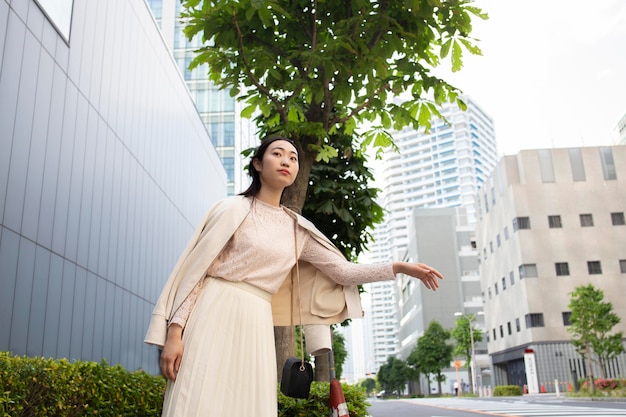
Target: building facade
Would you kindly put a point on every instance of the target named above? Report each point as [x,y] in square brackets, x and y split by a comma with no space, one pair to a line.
[220,112]
[442,238]
[550,220]
[105,170]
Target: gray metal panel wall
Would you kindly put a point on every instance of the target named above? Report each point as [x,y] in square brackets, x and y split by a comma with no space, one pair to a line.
[105,171]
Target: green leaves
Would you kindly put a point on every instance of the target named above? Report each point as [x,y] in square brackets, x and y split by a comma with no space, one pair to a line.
[48,387]
[337,63]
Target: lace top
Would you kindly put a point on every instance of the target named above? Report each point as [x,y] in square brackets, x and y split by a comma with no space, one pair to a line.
[262,252]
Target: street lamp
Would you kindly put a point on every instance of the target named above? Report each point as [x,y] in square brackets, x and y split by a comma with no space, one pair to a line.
[471,318]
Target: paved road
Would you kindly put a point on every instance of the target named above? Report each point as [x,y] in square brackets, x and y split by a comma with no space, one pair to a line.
[509,407]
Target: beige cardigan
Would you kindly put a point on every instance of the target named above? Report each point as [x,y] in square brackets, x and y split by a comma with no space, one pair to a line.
[323,300]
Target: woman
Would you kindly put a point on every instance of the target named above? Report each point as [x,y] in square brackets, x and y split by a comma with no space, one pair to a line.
[214,319]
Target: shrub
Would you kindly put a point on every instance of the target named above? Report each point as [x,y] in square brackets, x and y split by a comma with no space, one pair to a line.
[507,391]
[48,387]
[40,387]
[317,405]
[605,386]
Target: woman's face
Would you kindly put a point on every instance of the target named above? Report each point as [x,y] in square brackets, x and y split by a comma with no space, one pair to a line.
[279,166]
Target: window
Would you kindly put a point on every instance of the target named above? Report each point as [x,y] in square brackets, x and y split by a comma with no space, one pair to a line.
[608,165]
[586,220]
[512,277]
[554,222]
[576,164]
[508,328]
[567,315]
[521,223]
[498,239]
[562,268]
[517,326]
[501,331]
[494,333]
[617,219]
[491,247]
[594,267]
[545,165]
[534,320]
[622,266]
[495,286]
[506,232]
[489,292]
[503,283]
[527,271]
[59,12]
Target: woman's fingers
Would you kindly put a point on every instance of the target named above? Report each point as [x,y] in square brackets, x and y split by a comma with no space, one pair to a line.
[170,360]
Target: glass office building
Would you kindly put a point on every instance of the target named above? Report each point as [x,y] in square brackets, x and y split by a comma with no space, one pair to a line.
[219,111]
[106,168]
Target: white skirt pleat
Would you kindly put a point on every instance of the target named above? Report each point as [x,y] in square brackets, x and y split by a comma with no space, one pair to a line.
[229,359]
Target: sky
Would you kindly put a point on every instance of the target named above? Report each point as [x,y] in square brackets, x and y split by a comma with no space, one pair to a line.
[552,73]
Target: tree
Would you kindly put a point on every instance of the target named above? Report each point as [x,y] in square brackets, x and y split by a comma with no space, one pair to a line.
[393,375]
[414,363]
[339,351]
[316,69]
[340,202]
[463,338]
[368,384]
[591,321]
[432,353]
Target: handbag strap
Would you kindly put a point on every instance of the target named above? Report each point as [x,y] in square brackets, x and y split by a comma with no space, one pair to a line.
[295,239]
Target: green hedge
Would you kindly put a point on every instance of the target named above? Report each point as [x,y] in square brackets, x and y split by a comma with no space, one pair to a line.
[40,387]
[507,391]
[49,387]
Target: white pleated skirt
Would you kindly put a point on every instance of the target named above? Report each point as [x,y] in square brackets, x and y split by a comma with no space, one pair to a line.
[229,358]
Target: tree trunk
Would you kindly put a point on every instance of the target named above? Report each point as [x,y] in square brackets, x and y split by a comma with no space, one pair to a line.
[284,347]
[322,368]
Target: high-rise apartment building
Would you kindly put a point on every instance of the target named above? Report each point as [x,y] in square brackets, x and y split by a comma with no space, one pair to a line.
[550,220]
[442,168]
[621,129]
[105,171]
[219,111]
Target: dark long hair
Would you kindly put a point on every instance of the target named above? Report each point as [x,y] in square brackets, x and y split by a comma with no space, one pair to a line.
[255,187]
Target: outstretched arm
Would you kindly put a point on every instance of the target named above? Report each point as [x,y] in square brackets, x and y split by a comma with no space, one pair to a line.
[428,275]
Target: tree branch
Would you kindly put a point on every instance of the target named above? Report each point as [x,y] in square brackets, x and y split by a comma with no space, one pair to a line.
[358,109]
[279,107]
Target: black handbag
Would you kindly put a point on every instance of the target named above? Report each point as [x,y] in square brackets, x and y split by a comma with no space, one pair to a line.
[297,373]
[296,379]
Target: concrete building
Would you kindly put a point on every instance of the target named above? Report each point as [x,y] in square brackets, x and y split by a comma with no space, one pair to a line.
[442,238]
[550,220]
[219,111]
[442,168]
[105,170]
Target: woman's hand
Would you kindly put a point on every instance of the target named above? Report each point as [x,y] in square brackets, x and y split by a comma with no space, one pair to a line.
[429,276]
[172,352]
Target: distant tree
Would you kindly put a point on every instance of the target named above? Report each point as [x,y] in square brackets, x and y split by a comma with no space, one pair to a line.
[393,375]
[368,384]
[433,353]
[463,341]
[413,362]
[340,352]
[591,321]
